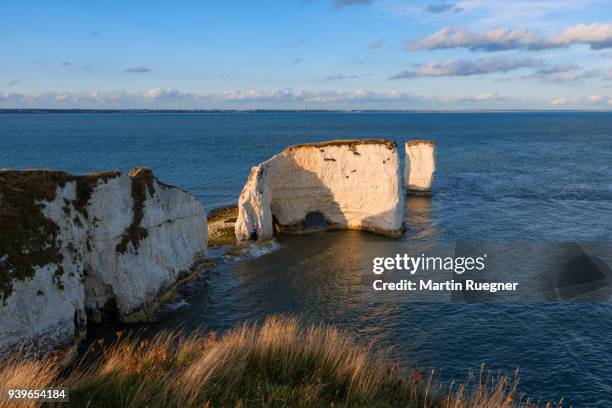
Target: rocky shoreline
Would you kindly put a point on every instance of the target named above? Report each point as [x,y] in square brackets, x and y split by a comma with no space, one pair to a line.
[75,247]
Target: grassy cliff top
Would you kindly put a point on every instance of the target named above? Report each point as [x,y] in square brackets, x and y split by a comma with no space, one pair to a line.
[390,144]
[278,363]
[221,223]
[420,141]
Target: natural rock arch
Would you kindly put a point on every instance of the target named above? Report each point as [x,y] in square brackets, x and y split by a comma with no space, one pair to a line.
[352,184]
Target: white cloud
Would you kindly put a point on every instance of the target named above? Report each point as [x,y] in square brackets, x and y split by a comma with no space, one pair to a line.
[596,99]
[339,77]
[323,97]
[567,73]
[488,40]
[485,97]
[596,35]
[559,102]
[160,98]
[159,93]
[468,67]
[577,101]
[557,69]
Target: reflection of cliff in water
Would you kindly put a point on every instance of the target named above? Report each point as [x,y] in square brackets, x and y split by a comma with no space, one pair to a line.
[418,217]
[318,275]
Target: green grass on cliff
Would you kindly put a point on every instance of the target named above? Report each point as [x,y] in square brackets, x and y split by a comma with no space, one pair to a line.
[280,363]
[221,226]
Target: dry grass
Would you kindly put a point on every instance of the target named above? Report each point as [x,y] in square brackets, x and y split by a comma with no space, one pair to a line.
[221,226]
[279,363]
[17,372]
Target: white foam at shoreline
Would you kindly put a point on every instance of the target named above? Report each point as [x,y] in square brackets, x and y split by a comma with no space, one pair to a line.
[170,307]
[253,250]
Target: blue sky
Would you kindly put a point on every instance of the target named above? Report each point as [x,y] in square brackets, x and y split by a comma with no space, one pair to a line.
[330,54]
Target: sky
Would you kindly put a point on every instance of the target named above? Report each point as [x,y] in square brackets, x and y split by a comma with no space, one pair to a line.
[307,54]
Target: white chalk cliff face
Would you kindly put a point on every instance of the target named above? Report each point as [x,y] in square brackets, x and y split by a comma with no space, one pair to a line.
[420,165]
[343,184]
[76,243]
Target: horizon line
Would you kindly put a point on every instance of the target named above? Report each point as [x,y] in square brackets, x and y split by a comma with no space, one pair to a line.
[268,110]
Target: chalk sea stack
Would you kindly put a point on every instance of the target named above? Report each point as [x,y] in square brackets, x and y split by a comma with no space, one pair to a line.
[420,166]
[73,246]
[340,184]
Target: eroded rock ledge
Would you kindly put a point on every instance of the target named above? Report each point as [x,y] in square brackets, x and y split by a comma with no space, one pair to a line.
[340,184]
[71,244]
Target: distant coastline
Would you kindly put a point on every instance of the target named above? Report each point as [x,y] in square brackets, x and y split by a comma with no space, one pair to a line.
[217,111]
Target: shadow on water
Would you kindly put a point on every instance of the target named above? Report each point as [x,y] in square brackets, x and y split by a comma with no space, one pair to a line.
[585,276]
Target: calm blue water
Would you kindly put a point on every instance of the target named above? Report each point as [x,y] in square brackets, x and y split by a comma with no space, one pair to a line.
[507,177]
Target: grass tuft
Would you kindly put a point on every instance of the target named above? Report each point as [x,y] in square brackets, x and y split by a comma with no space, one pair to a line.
[279,363]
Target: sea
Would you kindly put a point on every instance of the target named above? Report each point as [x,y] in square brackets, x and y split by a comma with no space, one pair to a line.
[532,182]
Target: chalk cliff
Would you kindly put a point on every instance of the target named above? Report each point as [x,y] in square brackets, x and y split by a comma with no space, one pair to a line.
[71,244]
[342,184]
[420,165]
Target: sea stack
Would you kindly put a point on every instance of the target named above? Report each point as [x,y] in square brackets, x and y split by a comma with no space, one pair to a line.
[420,166]
[340,184]
[76,244]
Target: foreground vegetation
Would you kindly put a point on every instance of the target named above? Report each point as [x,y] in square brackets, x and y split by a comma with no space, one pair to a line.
[276,364]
